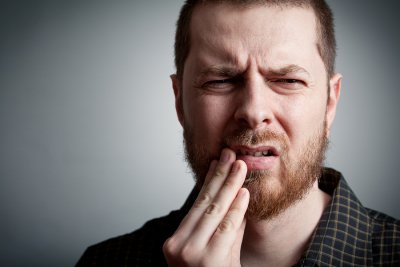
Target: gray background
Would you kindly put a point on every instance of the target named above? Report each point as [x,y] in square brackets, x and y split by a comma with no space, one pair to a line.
[90,146]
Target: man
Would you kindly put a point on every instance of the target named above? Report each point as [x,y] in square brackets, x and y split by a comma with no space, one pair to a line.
[256,95]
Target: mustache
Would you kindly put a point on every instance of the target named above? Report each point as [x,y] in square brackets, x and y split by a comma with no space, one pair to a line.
[247,137]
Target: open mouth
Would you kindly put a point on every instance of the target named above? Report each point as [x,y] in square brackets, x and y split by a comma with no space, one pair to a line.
[257,158]
[265,151]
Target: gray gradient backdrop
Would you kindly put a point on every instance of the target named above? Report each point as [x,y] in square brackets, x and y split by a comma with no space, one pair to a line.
[90,146]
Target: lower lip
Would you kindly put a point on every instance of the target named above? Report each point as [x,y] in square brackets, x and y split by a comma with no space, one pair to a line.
[258,163]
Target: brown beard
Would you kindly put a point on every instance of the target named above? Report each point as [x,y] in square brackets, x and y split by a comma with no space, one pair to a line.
[267,198]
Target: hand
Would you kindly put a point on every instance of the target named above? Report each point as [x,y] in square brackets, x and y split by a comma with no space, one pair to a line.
[211,234]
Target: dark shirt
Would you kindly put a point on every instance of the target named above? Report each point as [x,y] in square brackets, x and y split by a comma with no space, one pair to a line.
[348,234]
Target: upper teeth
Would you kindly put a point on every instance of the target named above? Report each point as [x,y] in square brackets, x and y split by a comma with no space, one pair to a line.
[254,154]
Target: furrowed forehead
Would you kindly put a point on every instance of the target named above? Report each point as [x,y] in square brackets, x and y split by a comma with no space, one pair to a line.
[183,40]
[224,28]
[207,19]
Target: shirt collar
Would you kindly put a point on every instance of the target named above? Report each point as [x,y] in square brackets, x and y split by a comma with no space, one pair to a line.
[343,234]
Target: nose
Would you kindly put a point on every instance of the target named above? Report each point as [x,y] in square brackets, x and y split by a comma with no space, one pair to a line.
[254,108]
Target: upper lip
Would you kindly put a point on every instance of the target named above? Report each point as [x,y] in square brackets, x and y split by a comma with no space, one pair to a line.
[254,151]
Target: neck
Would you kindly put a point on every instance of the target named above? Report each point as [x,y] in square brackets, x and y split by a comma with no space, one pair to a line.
[282,240]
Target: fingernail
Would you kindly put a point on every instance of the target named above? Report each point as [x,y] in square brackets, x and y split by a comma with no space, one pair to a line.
[236,167]
[224,156]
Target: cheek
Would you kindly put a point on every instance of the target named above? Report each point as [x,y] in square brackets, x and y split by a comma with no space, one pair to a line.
[208,116]
[302,117]
[309,115]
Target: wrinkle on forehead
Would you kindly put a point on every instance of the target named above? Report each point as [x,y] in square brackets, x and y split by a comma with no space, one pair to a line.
[228,34]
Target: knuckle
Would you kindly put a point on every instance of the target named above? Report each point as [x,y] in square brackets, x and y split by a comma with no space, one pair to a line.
[202,200]
[219,172]
[187,254]
[213,209]
[169,246]
[175,253]
[229,183]
[235,210]
[226,225]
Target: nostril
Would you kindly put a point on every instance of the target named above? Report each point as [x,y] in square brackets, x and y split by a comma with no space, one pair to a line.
[244,124]
[253,121]
[253,109]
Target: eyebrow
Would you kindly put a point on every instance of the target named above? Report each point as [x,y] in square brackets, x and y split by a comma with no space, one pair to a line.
[292,68]
[220,71]
[231,71]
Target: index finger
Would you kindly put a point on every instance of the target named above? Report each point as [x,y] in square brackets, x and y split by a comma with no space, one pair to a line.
[213,182]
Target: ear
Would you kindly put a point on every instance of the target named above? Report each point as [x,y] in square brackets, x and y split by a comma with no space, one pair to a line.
[335,84]
[176,85]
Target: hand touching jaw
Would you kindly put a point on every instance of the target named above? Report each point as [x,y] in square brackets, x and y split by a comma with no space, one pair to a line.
[215,232]
[275,180]
[212,232]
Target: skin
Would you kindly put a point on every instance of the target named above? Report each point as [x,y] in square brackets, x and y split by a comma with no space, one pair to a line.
[257,68]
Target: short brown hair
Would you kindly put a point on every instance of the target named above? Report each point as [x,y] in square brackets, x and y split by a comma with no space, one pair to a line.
[325,28]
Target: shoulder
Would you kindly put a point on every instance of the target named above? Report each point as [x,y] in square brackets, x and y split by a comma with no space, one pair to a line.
[142,247]
[385,236]
[385,228]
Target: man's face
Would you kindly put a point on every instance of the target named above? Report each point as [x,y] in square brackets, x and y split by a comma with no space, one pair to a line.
[255,82]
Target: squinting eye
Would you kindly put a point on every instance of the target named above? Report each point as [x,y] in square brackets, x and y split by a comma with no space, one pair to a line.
[287,81]
[289,84]
[222,85]
[217,82]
